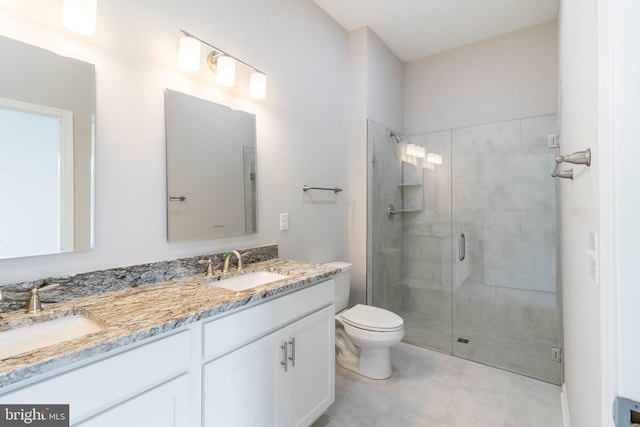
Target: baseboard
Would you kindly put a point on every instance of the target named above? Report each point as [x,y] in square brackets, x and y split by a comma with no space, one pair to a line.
[564,401]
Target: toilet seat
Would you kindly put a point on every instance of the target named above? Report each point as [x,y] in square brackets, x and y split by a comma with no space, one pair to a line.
[371,318]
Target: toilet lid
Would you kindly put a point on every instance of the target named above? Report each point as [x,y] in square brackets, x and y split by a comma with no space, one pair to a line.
[372,318]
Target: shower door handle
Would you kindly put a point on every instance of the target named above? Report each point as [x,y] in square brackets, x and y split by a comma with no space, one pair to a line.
[461,247]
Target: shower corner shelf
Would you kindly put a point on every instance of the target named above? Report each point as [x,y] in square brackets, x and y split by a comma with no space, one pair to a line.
[409,184]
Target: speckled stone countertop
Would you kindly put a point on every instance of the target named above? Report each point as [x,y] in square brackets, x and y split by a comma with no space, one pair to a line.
[134,314]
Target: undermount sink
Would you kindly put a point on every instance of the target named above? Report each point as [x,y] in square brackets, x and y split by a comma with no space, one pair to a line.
[248,280]
[22,339]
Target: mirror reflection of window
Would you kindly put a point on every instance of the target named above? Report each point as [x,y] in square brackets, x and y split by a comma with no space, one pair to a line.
[36,179]
[66,97]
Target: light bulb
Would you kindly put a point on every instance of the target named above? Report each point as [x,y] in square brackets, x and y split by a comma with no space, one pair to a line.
[434,158]
[226,73]
[189,54]
[80,16]
[257,85]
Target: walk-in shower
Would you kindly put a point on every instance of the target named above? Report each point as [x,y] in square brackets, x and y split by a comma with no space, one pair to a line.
[462,241]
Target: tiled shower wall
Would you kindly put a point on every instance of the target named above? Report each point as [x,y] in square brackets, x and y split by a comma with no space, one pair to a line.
[504,199]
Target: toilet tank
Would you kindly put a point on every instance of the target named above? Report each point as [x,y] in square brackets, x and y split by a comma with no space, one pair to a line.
[343,283]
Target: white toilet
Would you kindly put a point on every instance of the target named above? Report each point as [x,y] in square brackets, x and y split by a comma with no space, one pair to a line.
[364,334]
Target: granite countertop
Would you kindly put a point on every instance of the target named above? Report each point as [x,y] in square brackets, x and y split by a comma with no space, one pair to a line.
[131,315]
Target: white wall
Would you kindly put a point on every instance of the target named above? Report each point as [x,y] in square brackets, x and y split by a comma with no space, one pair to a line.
[301,126]
[579,205]
[507,77]
[627,210]
[377,77]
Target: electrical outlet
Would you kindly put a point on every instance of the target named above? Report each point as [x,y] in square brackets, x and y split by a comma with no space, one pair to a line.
[592,253]
[284,221]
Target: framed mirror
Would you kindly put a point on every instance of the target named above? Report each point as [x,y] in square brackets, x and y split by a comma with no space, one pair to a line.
[47,114]
[211,169]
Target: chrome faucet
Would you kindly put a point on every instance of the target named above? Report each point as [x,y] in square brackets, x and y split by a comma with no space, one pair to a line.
[34,305]
[227,257]
[209,269]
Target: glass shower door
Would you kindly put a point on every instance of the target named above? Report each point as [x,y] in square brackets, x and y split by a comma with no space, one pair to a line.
[385,250]
[427,240]
[505,299]
[409,233]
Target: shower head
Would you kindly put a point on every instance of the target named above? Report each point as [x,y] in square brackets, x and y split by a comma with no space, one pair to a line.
[397,138]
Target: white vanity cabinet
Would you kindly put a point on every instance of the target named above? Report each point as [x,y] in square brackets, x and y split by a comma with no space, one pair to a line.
[149,380]
[229,370]
[271,365]
[310,378]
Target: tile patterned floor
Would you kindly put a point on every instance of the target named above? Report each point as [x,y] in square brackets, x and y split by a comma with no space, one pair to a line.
[432,389]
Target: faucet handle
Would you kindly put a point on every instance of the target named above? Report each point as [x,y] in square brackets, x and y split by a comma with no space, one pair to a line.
[47,288]
[34,305]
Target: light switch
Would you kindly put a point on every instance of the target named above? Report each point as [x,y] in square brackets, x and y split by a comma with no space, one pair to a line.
[592,254]
[284,221]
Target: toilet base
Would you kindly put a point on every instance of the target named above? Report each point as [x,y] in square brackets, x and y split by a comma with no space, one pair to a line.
[374,363]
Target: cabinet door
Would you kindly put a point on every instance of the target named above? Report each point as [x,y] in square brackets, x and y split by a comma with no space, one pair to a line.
[107,382]
[164,406]
[243,388]
[311,376]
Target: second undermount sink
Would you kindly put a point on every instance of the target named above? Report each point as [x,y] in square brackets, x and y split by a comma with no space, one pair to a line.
[248,280]
[22,339]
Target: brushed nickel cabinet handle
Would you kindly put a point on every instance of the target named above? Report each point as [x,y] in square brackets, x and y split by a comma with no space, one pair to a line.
[285,358]
[292,343]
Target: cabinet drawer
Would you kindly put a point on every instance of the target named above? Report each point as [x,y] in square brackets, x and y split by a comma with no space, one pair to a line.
[104,383]
[227,333]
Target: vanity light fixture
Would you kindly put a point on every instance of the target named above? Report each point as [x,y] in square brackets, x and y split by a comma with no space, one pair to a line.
[226,71]
[220,62]
[189,54]
[80,16]
[257,85]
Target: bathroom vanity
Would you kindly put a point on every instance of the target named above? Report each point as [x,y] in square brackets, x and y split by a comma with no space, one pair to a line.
[190,353]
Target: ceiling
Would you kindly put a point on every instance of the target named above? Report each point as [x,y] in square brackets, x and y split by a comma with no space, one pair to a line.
[417,28]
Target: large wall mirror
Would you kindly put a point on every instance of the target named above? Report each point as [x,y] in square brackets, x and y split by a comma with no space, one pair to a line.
[211,169]
[47,113]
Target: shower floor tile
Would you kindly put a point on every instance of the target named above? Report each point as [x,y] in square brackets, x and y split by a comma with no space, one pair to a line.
[428,388]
